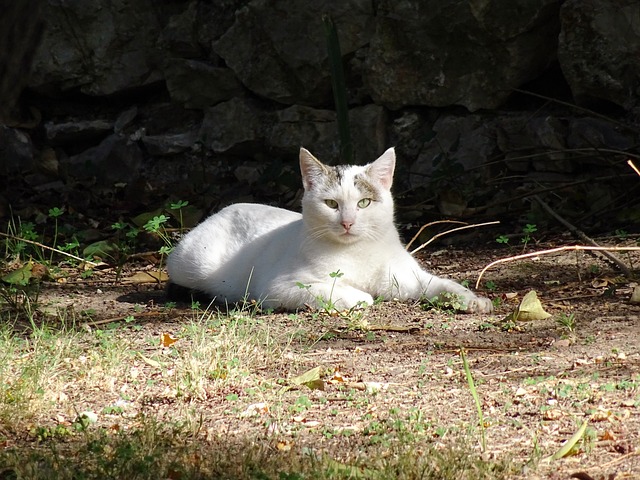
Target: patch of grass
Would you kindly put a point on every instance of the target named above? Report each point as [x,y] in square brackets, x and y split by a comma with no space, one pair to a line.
[155,450]
[445,302]
[567,322]
[216,350]
[34,371]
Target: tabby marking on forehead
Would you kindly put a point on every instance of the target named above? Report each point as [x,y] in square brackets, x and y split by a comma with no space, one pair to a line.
[365,187]
[336,176]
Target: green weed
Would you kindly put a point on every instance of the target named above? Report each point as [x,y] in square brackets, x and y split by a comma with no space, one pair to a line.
[445,302]
[567,322]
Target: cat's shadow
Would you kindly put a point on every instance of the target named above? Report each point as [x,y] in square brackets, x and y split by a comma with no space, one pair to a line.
[176,295]
[156,296]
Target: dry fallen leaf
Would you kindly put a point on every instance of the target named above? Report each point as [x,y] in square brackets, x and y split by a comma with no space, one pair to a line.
[608,435]
[150,362]
[255,409]
[635,296]
[552,414]
[284,445]
[146,277]
[167,340]
[529,309]
[310,378]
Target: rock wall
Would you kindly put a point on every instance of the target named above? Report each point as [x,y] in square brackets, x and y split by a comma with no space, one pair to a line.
[210,101]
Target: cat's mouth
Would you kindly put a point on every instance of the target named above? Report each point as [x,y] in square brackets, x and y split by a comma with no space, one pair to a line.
[347,236]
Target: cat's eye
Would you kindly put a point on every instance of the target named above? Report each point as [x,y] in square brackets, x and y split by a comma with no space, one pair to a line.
[364,203]
[331,203]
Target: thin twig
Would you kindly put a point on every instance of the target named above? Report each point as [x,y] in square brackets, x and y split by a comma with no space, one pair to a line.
[583,236]
[430,224]
[451,231]
[581,109]
[631,164]
[49,248]
[553,250]
[618,460]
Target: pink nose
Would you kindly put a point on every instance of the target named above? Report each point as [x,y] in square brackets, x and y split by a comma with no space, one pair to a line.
[347,225]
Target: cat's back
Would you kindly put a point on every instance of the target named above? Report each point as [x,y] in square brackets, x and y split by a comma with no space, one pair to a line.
[221,236]
[248,220]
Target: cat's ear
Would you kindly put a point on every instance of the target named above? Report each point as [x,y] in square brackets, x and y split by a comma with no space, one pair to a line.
[311,168]
[382,169]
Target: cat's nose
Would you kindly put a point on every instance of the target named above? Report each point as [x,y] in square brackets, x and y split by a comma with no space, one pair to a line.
[347,225]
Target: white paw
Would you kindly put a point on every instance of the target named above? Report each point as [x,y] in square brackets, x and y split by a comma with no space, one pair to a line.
[346,299]
[479,305]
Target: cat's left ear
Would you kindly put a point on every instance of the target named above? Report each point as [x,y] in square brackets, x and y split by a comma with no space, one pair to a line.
[311,168]
[382,169]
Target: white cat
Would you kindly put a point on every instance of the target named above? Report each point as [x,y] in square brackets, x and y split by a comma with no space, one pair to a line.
[285,259]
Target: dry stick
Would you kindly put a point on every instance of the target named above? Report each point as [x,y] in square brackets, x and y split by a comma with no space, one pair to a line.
[49,248]
[429,225]
[553,250]
[619,459]
[451,231]
[635,169]
[582,236]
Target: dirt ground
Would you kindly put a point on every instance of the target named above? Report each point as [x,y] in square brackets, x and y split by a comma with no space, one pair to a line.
[537,381]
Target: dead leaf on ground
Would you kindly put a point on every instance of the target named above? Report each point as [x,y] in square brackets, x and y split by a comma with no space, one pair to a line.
[635,296]
[166,339]
[530,309]
[146,277]
[310,378]
[150,362]
[284,445]
[255,409]
[22,276]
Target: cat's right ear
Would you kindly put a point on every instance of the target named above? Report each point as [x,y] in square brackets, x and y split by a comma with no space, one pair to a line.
[311,168]
[382,169]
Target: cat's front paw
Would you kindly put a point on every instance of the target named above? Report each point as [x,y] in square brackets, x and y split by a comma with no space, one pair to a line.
[351,297]
[479,305]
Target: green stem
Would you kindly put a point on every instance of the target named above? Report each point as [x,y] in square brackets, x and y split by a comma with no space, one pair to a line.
[339,89]
[476,398]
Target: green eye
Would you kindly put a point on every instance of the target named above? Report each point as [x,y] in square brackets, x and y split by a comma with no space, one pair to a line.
[364,203]
[331,203]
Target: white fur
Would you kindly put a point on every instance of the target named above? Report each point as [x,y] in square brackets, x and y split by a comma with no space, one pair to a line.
[252,251]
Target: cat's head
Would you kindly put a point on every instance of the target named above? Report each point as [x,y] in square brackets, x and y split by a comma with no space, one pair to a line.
[347,203]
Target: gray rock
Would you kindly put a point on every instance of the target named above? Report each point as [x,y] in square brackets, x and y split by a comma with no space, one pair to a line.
[459,53]
[277,48]
[299,126]
[533,142]
[125,119]
[169,144]
[115,160]
[102,47]
[548,139]
[368,131]
[180,36]
[409,131]
[199,85]
[460,143]
[595,133]
[78,131]
[16,151]
[236,124]
[317,130]
[241,126]
[599,49]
